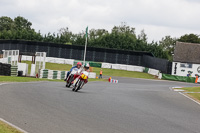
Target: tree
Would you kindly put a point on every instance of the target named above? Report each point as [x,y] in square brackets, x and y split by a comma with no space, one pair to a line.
[143,36]
[156,50]
[124,29]
[191,38]
[168,43]
[65,35]
[97,33]
[6,23]
[22,23]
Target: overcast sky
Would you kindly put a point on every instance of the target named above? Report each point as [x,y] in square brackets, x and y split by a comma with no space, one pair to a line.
[157,17]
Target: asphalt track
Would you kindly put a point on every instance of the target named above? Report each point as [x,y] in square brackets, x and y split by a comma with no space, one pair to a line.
[131,106]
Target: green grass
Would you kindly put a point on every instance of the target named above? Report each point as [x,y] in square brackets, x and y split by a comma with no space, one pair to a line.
[30,79]
[123,73]
[196,96]
[97,80]
[106,72]
[22,79]
[5,128]
[191,89]
[51,66]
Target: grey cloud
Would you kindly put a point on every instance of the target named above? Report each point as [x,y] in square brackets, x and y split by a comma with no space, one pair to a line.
[182,16]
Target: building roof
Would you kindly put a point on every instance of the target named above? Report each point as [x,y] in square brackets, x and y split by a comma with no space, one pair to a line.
[187,53]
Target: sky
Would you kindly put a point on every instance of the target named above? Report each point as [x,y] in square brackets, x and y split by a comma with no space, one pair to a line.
[158,18]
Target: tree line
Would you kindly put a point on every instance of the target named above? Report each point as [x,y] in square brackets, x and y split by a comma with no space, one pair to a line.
[121,37]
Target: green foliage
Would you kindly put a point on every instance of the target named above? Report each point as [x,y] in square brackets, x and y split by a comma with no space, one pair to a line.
[168,44]
[5,128]
[191,38]
[121,37]
[6,23]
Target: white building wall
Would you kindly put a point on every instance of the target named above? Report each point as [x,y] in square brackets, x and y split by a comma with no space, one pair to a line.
[183,71]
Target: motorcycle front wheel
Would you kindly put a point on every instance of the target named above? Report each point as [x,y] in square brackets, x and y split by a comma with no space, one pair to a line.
[77,85]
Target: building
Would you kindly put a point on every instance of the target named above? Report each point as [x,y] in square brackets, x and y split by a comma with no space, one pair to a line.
[186,60]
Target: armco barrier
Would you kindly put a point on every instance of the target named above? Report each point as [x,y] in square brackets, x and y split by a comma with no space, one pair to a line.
[178,78]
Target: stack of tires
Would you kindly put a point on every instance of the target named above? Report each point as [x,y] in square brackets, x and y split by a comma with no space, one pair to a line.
[5,69]
[44,73]
[52,74]
[14,70]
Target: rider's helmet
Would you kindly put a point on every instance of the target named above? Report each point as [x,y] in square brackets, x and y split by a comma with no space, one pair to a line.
[87,66]
[79,63]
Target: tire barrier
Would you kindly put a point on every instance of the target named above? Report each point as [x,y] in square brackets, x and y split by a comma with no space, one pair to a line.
[52,74]
[5,69]
[61,75]
[14,70]
[113,80]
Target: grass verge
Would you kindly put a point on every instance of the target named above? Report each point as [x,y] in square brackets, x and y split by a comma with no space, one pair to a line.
[191,89]
[5,128]
[22,79]
[195,96]
[29,79]
[195,92]
[106,72]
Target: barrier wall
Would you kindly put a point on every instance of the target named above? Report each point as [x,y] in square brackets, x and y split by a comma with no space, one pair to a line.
[94,64]
[5,69]
[53,74]
[183,69]
[153,72]
[106,65]
[178,78]
[76,52]
[23,67]
[162,65]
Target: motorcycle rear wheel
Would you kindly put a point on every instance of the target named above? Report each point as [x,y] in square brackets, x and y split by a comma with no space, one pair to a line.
[69,83]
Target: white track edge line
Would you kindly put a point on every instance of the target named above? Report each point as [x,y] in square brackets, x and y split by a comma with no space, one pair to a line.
[3,83]
[170,88]
[21,130]
[189,98]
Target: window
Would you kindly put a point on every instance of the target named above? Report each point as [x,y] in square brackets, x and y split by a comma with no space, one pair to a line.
[186,65]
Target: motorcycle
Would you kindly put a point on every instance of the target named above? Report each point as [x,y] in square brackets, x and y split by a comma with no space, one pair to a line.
[70,78]
[80,81]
